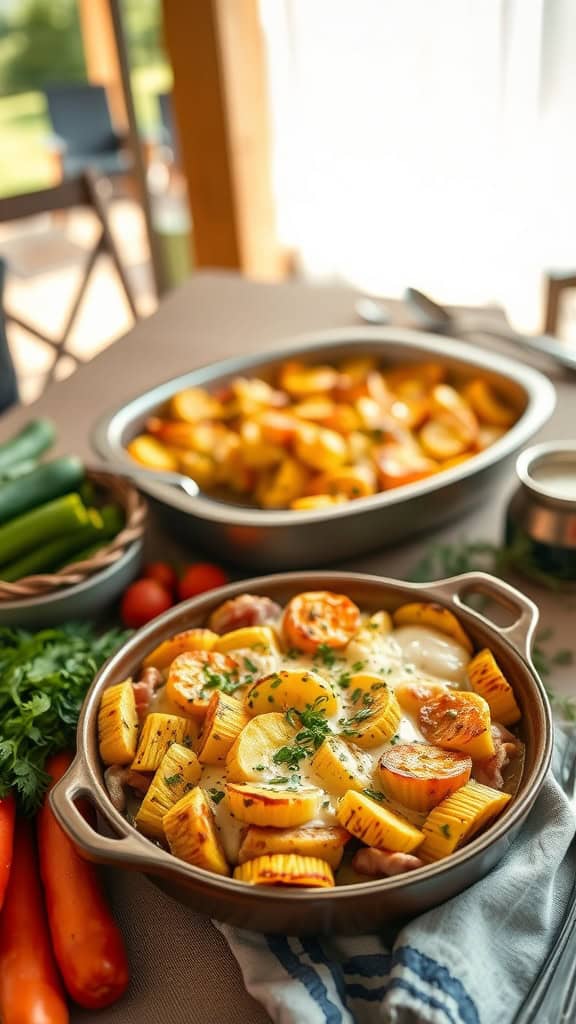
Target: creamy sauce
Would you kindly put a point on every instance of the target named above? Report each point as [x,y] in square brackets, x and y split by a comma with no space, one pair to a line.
[558,479]
[406,654]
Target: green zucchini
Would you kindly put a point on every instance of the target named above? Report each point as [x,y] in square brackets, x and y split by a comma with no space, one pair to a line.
[47,481]
[42,524]
[50,556]
[20,469]
[103,525]
[36,437]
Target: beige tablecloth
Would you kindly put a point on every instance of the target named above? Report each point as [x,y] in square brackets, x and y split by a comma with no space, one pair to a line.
[183,972]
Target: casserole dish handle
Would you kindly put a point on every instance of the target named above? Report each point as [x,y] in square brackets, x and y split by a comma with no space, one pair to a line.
[75,785]
[520,633]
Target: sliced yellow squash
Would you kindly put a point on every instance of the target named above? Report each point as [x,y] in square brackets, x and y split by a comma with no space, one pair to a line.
[258,638]
[158,733]
[251,755]
[291,688]
[267,805]
[487,679]
[487,404]
[327,843]
[195,405]
[341,767]
[375,713]
[224,721]
[118,724]
[286,869]
[191,640]
[177,773]
[458,818]
[191,833]
[150,452]
[375,825]
[436,617]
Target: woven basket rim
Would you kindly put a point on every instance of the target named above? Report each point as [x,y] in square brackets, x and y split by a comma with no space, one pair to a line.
[135,508]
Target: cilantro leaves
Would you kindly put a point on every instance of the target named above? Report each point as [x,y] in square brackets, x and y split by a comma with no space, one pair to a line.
[43,681]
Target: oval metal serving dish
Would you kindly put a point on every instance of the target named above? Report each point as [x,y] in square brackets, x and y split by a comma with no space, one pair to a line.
[282,539]
[347,909]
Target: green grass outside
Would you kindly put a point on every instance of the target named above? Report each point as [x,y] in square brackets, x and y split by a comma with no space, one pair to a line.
[24,127]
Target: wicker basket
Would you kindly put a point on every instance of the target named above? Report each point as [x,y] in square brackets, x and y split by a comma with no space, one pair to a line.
[134,506]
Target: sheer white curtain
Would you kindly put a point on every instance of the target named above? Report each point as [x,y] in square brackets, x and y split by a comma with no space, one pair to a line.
[427,142]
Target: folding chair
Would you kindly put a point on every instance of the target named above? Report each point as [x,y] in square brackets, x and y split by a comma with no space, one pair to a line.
[86,190]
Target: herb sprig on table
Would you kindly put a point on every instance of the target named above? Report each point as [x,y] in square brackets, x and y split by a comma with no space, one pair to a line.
[452,559]
[44,678]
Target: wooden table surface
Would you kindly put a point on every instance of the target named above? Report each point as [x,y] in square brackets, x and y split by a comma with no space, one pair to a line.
[183,971]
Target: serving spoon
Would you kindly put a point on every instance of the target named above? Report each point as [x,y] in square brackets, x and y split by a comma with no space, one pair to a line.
[140,475]
[431,316]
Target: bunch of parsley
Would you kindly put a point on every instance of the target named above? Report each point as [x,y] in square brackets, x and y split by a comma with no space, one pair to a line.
[43,681]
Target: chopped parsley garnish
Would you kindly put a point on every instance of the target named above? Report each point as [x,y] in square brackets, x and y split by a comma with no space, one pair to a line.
[374,794]
[259,767]
[313,731]
[445,830]
[357,694]
[292,782]
[358,666]
[344,680]
[249,664]
[348,724]
[172,780]
[217,795]
[228,682]
[326,655]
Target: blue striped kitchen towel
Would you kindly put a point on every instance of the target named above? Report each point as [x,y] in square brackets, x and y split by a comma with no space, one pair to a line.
[470,961]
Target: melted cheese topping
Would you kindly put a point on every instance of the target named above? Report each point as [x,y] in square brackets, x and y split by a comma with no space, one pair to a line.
[406,654]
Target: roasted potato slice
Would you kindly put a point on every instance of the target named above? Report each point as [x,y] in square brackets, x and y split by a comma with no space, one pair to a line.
[190,640]
[319,619]
[419,776]
[272,806]
[458,720]
[251,756]
[327,842]
[291,688]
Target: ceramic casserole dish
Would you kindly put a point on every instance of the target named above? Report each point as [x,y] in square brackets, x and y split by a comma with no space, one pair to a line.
[351,908]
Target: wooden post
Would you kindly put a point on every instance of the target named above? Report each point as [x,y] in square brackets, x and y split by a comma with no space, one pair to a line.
[101,56]
[220,102]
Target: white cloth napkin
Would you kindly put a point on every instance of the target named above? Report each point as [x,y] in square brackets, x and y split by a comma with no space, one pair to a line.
[470,961]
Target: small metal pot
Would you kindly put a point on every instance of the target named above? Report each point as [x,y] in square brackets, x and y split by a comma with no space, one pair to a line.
[541,521]
[348,909]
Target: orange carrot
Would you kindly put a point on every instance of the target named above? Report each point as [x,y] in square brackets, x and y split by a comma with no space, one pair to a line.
[30,989]
[7,815]
[87,944]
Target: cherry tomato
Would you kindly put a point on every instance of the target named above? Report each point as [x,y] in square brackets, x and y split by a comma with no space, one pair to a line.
[200,577]
[163,573]
[142,601]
